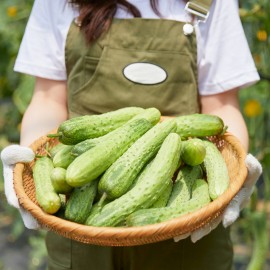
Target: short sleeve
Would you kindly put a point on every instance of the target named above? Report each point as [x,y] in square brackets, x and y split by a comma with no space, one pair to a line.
[42,48]
[225,61]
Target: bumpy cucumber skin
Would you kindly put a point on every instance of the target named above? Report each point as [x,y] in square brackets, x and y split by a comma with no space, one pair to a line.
[182,187]
[80,128]
[200,198]
[80,202]
[46,196]
[216,170]
[199,125]
[141,175]
[193,152]
[55,149]
[151,114]
[119,177]
[147,191]
[58,179]
[63,157]
[164,197]
[95,211]
[85,145]
[61,212]
[91,164]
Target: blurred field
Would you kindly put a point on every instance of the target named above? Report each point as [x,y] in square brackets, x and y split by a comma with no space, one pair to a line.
[22,249]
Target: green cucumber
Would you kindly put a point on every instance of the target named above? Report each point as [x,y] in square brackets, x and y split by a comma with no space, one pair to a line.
[200,198]
[140,176]
[95,161]
[164,197]
[58,178]
[182,187]
[61,212]
[77,129]
[46,196]
[53,150]
[119,177]
[199,125]
[63,157]
[193,152]
[216,170]
[147,190]
[85,145]
[95,211]
[150,114]
[80,202]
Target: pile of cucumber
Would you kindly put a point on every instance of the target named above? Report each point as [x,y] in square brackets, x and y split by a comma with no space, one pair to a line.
[127,168]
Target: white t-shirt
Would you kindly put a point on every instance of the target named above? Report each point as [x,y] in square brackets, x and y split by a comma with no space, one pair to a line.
[224,58]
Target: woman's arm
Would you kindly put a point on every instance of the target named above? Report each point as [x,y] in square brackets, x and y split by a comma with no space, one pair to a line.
[47,109]
[226,106]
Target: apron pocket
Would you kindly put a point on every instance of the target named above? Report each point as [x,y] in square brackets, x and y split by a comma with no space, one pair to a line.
[90,66]
[107,88]
[59,251]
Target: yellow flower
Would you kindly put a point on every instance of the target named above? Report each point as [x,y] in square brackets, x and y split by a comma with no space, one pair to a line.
[19,126]
[252,108]
[243,12]
[12,11]
[257,58]
[262,35]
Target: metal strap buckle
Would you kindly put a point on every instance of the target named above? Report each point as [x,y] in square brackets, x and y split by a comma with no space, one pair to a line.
[197,10]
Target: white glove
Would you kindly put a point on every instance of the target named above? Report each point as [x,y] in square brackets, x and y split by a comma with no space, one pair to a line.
[10,156]
[232,211]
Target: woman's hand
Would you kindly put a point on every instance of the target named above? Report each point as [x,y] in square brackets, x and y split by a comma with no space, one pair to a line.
[226,105]
[46,111]
[10,156]
[232,211]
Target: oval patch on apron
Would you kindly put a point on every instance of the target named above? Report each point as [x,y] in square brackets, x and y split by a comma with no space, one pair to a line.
[145,73]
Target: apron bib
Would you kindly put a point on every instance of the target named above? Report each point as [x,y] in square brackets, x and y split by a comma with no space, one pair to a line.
[110,74]
[97,79]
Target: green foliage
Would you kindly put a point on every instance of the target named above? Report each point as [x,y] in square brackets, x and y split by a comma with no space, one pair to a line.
[13,18]
[255,102]
[256,21]
[38,253]
[15,94]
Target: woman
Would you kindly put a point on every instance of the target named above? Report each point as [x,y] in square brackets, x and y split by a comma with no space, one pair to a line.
[91,57]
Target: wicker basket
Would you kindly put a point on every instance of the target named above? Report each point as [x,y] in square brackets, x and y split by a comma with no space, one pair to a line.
[231,150]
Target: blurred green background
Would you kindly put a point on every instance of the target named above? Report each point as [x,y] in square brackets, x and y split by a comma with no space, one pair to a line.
[25,249]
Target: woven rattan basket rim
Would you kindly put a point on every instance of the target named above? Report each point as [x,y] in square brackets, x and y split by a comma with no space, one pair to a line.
[109,236]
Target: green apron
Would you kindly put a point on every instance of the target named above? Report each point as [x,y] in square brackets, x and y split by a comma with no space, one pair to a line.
[97,84]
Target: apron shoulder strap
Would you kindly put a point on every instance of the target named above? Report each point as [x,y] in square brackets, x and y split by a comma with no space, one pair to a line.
[199,8]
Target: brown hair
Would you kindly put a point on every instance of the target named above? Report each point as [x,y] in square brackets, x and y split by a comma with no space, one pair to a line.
[96,16]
